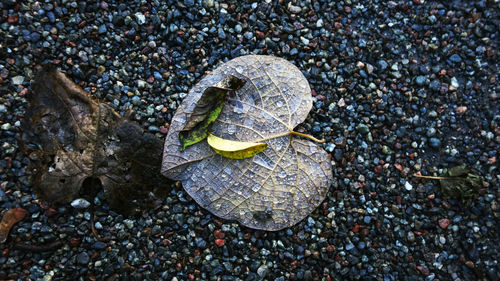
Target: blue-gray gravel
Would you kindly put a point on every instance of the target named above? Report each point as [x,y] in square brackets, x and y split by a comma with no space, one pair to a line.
[400,87]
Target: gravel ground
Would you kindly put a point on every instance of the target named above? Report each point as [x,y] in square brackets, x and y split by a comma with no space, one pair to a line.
[400,88]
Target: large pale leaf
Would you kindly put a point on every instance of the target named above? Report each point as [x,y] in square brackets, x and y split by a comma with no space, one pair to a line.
[277,187]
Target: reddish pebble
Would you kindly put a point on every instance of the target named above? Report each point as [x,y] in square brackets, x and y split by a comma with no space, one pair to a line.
[220,242]
[423,270]
[443,223]
[398,166]
[219,234]
[12,19]
[74,242]
[330,248]
[50,212]
[355,228]
[377,169]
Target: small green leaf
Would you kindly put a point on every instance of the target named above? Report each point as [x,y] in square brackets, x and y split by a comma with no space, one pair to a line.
[235,149]
[207,110]
[461,183]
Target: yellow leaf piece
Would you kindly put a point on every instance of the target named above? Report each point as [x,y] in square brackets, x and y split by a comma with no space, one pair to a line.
[235,149]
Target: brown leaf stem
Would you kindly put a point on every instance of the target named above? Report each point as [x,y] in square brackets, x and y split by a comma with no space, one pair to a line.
[291,132]
[431,177]
[38,248]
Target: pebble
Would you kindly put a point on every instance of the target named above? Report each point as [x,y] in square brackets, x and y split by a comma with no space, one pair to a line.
[141,19]
[262,271]
[408,186]
[455,58]
[294,9]
[434,142]
[80,203]
[17,80]
[83,258]
[382,64]
[421,80]
[102,29]
[443,223]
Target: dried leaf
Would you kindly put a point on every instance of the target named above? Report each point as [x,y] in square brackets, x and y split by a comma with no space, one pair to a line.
[73,140]
[277,187]
[10,217]
[235,149]
[462,183]
[207,110]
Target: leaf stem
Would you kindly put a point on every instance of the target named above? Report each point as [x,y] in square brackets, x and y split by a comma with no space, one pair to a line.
[291,132]
[307,136]
[431,177]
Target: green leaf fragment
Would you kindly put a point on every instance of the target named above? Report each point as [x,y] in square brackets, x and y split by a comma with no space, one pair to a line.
[200,131]
[206,111]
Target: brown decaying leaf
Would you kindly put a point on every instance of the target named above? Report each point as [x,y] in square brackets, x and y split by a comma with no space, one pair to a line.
[277,187]
[72,139]
[9,218]
[460,182]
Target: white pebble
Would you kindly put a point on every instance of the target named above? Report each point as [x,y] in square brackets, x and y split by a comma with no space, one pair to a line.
[80,203]
[408,186]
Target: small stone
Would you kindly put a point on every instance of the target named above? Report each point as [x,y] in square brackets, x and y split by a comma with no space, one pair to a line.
[262,271]
[6,126]
[461,110]
[248,35]
[141,19]
[17,80]
[220,242]
[102,29]
[369,68]
[221,34]
[83,258]
[294,9]
[363,129]
[319,23]
[435,85]
[129,223]
[408,186]
[455,58]
[421,80]
[454,83]
[209,3]
[382,64]
[141,84]
[434,142]
[410,236]
[443,223]
[430,132]
[80,203]
[99,245]
[442,240]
